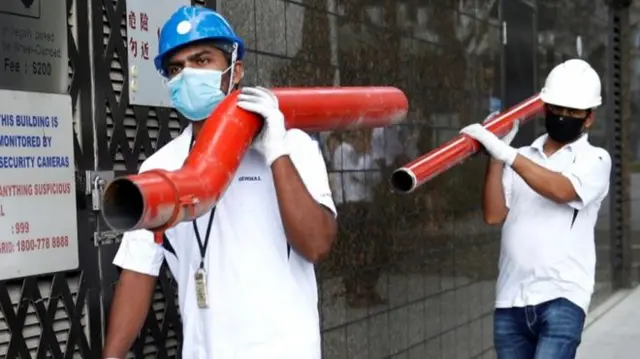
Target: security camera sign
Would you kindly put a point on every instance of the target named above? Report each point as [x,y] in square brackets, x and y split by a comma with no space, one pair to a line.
[38,225]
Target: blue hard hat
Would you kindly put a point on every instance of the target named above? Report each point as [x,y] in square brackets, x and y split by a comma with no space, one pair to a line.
[194,23]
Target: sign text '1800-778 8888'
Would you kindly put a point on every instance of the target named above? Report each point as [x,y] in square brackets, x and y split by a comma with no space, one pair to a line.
[38,225]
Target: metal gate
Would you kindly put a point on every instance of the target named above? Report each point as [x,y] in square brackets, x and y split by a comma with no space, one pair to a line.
[47,316]
[621,249]
[62,315]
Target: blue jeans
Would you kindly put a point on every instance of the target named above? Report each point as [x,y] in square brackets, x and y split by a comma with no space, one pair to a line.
[550,330]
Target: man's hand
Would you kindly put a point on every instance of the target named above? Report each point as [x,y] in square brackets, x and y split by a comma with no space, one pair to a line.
[496,147]
[271,140]
[494,204]
[508,138]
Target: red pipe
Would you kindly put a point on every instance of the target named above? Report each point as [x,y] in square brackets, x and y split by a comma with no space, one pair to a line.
[159,199]
[406,179]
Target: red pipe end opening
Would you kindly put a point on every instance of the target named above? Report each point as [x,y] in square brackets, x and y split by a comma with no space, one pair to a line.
[122,205]
[403,181]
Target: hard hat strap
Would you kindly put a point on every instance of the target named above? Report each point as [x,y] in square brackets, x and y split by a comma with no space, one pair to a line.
[234,57]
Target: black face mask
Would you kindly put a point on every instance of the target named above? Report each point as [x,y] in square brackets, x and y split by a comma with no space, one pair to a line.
[563,129]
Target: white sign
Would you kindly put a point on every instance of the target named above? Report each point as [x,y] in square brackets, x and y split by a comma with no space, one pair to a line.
[27,8]
[33,46]
[38,225]
[144,21]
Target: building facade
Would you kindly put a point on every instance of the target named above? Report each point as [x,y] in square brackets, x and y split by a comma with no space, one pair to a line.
[418,280]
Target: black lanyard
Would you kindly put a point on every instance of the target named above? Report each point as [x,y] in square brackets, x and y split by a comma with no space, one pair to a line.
[202,245]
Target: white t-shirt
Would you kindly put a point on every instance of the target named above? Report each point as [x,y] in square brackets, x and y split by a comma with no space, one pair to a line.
[262,296]
[356,175]
[385,144]
[548,249]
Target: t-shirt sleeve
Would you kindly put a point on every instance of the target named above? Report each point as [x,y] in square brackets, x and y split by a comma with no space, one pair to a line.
[589,176]
[507,185]
[307,158]
[378,144]
[139,252]
[345,158]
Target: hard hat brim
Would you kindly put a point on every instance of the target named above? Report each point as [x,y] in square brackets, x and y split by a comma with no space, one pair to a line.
[552,100]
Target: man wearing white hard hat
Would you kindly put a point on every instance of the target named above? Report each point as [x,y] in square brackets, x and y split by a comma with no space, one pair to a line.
[547,197]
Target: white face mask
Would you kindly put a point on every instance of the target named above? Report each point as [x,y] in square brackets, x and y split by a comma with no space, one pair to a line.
[195,93]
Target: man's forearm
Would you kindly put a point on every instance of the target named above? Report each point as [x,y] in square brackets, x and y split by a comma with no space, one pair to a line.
[128,312]
[547,183]
[310,227]
[493,202]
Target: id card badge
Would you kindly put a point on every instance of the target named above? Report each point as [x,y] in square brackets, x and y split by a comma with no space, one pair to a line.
[201,288]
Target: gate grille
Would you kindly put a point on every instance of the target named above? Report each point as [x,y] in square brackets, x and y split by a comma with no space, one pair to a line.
[132,132]
[43,317]
[615,121]
[46,316]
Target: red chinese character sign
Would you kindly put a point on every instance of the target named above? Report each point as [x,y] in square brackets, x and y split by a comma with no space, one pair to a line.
[144,20]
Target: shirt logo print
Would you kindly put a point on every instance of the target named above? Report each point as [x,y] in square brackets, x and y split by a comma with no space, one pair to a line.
[249,179]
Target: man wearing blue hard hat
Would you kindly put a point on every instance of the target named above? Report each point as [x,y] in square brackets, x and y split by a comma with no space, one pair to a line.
[245,274]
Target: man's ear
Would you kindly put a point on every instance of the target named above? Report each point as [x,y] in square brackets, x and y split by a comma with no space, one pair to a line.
[590,119]
[238,72]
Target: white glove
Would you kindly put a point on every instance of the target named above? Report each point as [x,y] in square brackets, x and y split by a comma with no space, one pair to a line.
[496,147]
[271,142]
[508,138]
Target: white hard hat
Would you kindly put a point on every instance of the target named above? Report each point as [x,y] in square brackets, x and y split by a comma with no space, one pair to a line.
[573,84]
